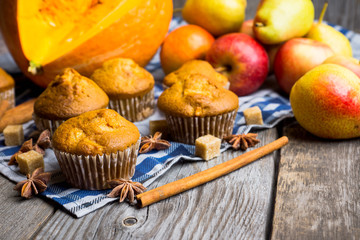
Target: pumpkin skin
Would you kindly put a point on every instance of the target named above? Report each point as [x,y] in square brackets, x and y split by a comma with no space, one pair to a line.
[137,35]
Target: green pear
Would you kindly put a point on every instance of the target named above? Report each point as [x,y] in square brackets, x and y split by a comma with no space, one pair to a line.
[277,21]
[217,16]
[330,36]
[326,102]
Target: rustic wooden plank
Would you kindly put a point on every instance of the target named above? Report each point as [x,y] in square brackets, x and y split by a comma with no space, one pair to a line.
[234,206]
[318,188]
[20,218]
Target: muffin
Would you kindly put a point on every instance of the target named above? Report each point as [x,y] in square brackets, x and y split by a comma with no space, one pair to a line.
[197,106]
[129,87]
[195,67]
[7,91]
[69,95]
[95,147]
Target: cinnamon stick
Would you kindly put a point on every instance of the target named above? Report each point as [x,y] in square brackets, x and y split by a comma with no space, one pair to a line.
[18,115]
[4,105]
[179,186]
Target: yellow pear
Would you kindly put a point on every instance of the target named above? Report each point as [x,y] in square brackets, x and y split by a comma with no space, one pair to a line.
[330,36]
[217,16]
[277,21]
[326,102]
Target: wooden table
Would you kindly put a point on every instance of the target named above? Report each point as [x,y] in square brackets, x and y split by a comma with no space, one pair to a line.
[307,190]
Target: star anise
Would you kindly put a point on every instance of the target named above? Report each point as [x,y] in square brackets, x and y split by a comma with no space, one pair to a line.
[242,141]
[42,143]
[125,189]
[34,184]
[148,143]
[27,146]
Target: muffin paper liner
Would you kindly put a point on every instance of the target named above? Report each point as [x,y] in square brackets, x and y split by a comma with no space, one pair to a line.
[134,109]
[8,95]
[93,172]
[43,124]
[188,129]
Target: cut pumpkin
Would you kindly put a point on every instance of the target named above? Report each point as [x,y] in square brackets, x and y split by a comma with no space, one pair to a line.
[50,28]
[81,33]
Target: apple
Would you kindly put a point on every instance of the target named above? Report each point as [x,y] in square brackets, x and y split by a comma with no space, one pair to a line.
[296,57]
[349,62]
[216,16]
[242,59]
[185,43]
[272,51]
[247,28]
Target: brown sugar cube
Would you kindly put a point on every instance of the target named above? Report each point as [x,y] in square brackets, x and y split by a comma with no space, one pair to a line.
[30,161]
[14,135]
[158,126]
[253,116]
[207,147]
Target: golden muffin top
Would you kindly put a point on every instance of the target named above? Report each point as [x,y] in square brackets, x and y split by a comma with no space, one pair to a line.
[70,95]
[197,96]
[122,78]
[100,132]
[6,81]
[196,66]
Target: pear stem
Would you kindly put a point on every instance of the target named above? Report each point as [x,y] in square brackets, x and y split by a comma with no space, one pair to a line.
[221,69]
[259,24]
[322,14]
[177,10]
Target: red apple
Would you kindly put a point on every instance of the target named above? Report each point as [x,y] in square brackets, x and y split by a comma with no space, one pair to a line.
[242,59]
[185,43]
[247,28]
[296,57]
[349,62]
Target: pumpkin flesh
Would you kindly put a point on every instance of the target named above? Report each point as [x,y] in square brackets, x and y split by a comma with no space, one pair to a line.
[48,29]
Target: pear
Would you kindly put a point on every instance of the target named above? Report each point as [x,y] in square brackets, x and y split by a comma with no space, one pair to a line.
[216,16]
[326,102]
[330,36]
[277,21]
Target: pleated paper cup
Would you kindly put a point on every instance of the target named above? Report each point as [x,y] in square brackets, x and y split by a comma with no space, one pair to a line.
[93,172]
[8,95]
[134,109]
[188,129]
[43,124]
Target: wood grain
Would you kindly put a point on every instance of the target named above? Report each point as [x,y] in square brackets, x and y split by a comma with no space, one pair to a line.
[20,218]
[318,188]
[235,206]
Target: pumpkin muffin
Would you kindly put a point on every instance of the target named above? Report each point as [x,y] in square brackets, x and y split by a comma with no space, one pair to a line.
[96,147]
[198,106]
[193,67]
[67,96]
[7,91]
[129,87]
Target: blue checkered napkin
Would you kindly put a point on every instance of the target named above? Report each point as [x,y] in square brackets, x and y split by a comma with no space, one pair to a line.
[155,163]
[149,166]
